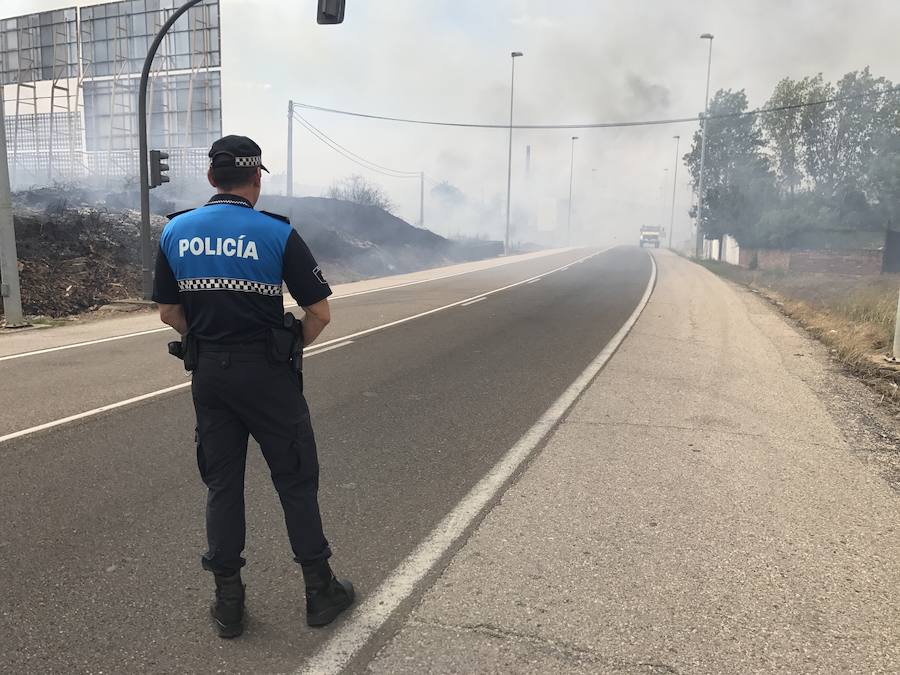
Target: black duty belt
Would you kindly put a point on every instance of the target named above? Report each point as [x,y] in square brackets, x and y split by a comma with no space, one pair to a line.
[256,347]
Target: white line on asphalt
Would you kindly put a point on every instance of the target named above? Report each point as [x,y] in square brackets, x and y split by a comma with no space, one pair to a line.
[91,413]
[122,404]
[328,349]
[472,302]
[452,304]
[371,615]
[534,281]
[36,352]
[288,305]
[316,349]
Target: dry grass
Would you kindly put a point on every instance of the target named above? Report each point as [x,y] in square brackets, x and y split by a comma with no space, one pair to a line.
[853,316]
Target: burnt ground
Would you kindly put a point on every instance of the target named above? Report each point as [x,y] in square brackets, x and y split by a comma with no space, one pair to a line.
[75,259]
[79,250]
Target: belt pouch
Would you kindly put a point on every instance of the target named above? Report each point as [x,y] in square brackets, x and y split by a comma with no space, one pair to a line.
[279,342]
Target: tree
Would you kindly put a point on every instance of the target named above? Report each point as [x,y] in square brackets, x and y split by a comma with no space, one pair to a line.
[737,180]
[358,190]
[783,130]
[828,161]
[449,195]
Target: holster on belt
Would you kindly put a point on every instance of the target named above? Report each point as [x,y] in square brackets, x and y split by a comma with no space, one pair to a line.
[286,343]
[186,350]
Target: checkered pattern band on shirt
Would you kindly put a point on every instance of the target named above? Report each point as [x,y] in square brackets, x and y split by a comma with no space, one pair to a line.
[220,284]
[248,161]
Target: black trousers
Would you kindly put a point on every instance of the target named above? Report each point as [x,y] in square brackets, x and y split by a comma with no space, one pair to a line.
[238,394]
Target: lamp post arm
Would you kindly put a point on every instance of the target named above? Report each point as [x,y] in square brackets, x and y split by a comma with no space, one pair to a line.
[143,149]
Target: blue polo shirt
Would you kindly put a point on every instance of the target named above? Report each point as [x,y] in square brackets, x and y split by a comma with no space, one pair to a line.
[226,263]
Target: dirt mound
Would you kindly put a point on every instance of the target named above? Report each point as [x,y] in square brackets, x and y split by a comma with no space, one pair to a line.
[358,240]
[76,259]
[80,249]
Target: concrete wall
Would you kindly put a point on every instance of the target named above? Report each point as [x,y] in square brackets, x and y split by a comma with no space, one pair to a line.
[732,251]
[710,249]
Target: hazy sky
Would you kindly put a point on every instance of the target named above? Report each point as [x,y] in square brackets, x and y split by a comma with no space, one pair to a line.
[585,61]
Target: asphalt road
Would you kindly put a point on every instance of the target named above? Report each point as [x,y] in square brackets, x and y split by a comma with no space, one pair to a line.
[101,530]
[87,378]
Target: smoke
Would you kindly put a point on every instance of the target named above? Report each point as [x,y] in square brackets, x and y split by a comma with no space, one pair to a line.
[585,60]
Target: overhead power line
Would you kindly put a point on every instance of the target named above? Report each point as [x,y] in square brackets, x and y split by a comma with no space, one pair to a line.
[598,125]
[352,156]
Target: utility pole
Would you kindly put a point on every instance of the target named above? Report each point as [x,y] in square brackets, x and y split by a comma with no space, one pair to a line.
[674,185]
[512,90]
[529,199]
[896,352]
[571,183]
[9,264]
[699,243]
[421,199]
[290,150]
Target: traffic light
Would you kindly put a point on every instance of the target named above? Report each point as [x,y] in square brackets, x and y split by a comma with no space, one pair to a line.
[330,11]
[157,168]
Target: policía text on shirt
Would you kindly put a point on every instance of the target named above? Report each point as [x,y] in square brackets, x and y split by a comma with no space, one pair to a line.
[228,247]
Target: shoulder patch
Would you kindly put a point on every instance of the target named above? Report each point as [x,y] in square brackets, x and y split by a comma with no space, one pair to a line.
[277,216]
[178,213]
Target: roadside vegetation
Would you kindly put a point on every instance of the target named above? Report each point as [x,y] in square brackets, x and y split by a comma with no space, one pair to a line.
[853,316]
[826,159]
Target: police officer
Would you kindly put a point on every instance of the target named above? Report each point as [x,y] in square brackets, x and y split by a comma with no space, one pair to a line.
[219,275]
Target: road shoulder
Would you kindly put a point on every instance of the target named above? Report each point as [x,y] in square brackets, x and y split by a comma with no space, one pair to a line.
[702,508]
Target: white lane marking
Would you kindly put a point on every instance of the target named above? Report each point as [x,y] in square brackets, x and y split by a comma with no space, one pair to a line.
[126,336]
[334,655]
[472,302]
[534,281]
[452,304]
[129,401]
[87,343]
[317,349]
[328,349]
[91,413]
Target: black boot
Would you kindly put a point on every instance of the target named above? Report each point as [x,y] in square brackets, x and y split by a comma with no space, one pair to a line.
[228,609]
[326,596]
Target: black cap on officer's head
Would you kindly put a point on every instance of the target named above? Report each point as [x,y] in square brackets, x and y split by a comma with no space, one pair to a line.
[237,151]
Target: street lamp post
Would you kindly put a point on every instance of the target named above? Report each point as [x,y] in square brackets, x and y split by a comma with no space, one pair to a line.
[571,183]
[421,199]
[674,185]
[662,199]
[290,152]
[699,243]
[512,89]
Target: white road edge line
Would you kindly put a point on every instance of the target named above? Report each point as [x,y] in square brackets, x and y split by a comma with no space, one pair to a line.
[91,413]
[99,341]
[472,302]
[312,351]
[351,636]
[534,281]
[126,336]
[328,349]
